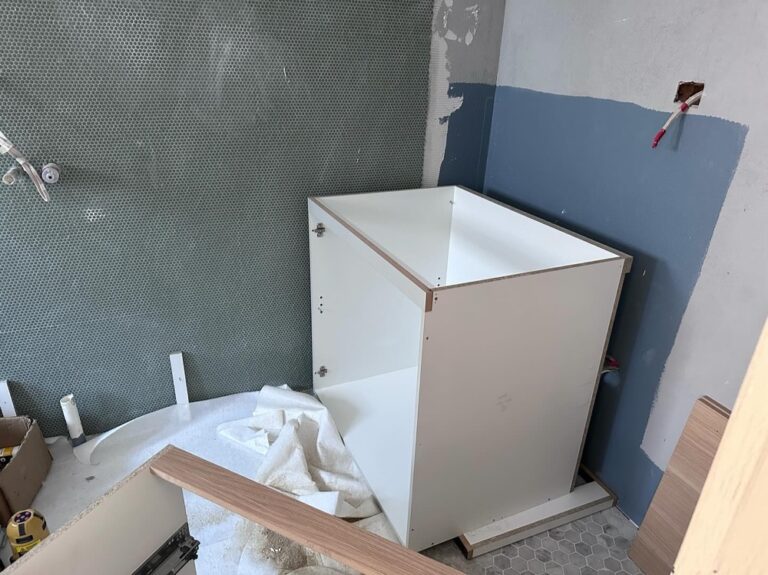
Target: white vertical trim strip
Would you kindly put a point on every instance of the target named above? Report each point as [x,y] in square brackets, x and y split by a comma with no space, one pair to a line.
[6,401]
[179,379]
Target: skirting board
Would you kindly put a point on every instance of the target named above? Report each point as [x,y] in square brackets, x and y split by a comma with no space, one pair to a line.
[582,501]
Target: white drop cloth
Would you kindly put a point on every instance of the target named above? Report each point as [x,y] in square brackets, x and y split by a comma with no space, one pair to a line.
[229,544]
[304,455]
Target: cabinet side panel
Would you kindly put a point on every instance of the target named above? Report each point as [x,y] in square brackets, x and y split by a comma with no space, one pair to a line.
[412,225]
[508,372]
[366,330]
[115,535]
[362,323]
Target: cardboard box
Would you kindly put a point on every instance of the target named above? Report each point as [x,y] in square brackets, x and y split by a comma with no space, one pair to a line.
[22,478]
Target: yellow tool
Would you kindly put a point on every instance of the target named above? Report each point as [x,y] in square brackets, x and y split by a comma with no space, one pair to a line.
[25,530]
[6,454]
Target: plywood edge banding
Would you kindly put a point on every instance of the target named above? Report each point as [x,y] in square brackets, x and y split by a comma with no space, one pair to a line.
[420,282]
[591,474]
[301,523]
[598,377]
[715,405]
[467,548]
[524,274]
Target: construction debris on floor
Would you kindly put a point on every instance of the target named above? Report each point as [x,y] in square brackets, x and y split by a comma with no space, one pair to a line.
[290,443]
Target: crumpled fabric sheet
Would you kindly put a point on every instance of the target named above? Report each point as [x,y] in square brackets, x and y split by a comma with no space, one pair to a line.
[304,454]
[304,457]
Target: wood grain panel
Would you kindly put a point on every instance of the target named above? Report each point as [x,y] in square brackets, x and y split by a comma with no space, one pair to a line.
[323,533]
[727,531]
[657,543]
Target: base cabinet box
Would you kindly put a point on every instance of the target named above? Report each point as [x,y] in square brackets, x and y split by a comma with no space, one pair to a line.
[457,343]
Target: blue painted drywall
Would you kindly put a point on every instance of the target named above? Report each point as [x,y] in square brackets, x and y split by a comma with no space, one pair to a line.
[587,164]
[468,132]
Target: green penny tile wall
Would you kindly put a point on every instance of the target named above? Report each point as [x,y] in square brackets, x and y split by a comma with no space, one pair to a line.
[189,134]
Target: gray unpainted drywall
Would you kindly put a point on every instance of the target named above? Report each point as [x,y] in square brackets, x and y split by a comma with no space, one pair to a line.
[466,38]
[189,135]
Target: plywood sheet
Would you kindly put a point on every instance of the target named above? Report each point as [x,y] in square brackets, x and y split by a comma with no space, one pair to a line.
[658,541]
[727,531]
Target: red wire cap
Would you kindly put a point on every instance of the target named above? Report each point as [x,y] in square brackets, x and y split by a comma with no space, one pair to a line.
[657,138]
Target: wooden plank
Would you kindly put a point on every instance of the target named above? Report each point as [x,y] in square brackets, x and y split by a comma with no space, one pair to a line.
[116,534]
[323,533]
[658,541]
[727,531]
[585,500]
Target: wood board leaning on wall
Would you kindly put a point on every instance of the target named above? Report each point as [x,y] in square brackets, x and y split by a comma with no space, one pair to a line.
[727,531]
[658,541]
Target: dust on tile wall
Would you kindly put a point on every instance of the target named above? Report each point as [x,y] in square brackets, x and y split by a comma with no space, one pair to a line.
[189,135]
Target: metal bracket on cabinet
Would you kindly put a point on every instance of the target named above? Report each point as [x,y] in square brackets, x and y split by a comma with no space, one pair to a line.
[319,230]
[180,549]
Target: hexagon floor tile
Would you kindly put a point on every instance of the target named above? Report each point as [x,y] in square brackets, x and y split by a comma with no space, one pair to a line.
[595,545]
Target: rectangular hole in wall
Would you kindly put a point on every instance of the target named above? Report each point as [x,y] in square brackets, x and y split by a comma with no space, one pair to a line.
[687,89]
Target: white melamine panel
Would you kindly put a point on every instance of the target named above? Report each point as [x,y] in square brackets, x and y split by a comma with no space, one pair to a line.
[412,225]
[463,397]
[399,276]
[506,384]
[376,418]
[488,241]
[116,534]
[362,324]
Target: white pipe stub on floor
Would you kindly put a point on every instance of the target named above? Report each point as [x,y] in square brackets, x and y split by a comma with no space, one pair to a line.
[72,417]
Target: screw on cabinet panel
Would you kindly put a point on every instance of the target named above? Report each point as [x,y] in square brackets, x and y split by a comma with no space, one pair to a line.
[322,371]
[319,230]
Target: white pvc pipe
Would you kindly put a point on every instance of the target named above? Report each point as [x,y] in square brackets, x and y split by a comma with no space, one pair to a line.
[72,417]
